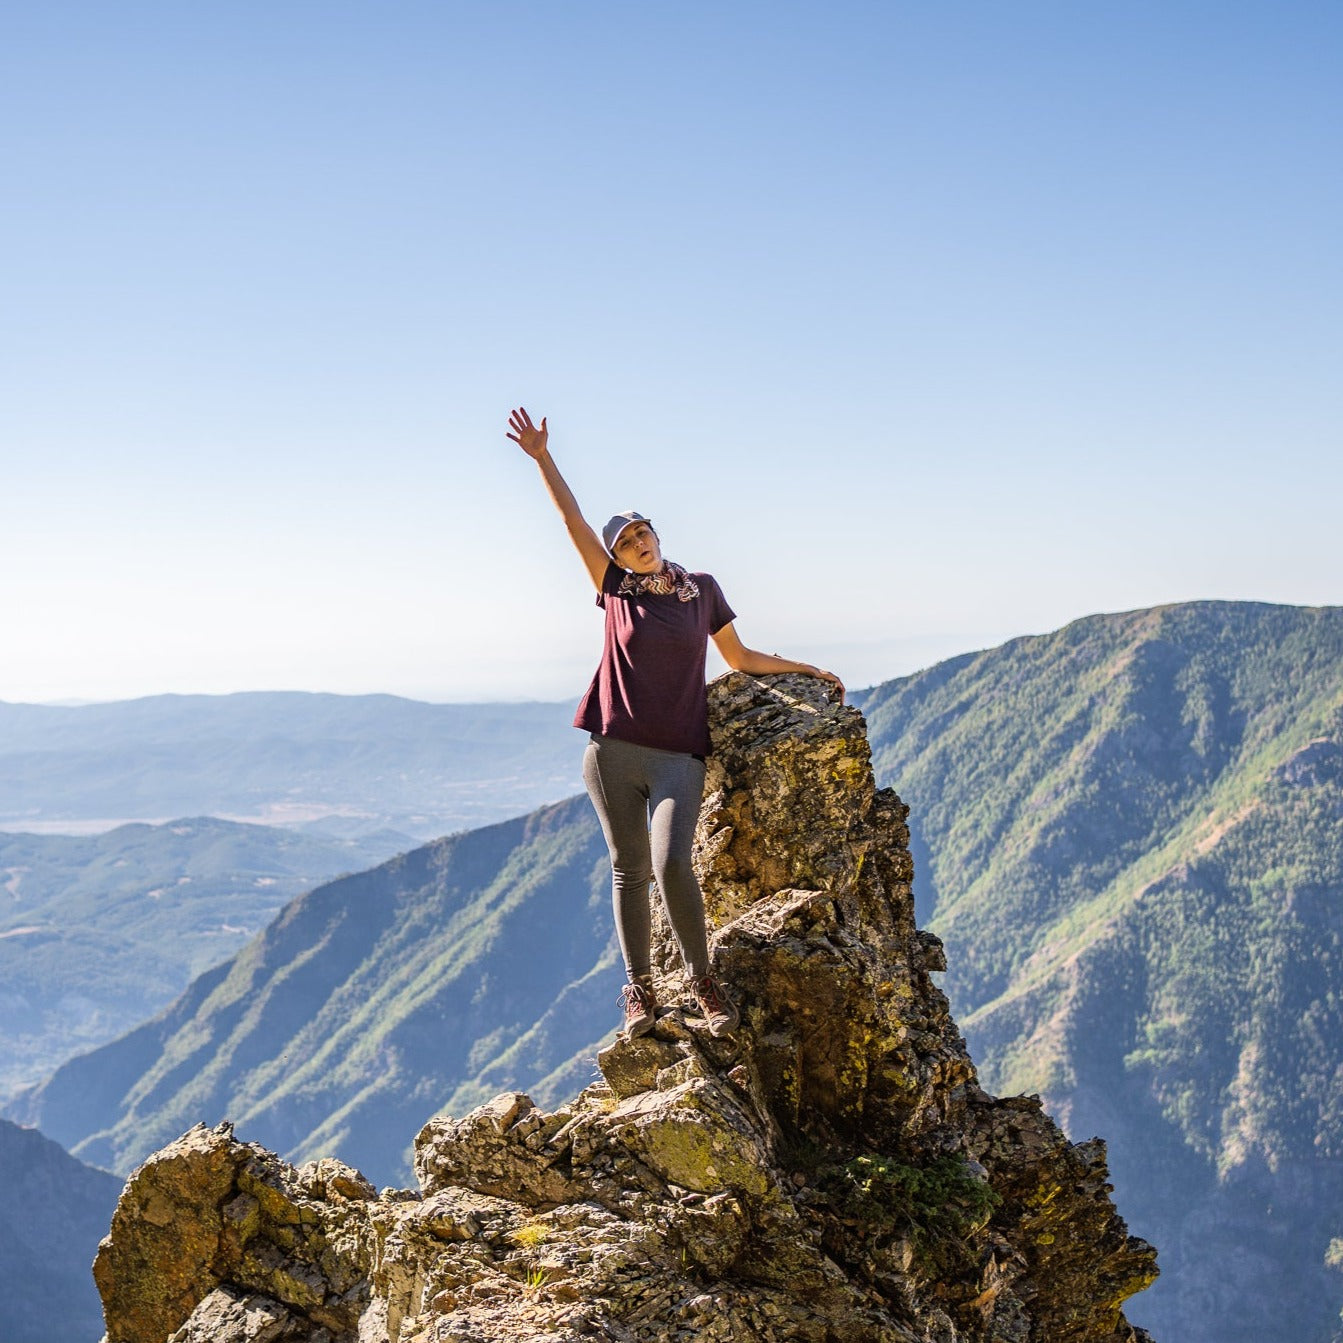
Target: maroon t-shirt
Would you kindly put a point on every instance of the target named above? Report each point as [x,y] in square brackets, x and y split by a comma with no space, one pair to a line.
[649,687]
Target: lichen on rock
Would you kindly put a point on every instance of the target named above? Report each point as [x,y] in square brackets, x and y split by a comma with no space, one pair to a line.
[831,1173]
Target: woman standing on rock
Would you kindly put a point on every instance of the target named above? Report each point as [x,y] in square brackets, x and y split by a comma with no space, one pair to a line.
[647,715]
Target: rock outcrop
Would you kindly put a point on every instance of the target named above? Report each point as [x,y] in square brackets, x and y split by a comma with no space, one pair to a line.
[832,1173]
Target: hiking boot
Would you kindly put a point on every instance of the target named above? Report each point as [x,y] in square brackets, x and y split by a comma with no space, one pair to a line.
[717,1009]
[640,1009]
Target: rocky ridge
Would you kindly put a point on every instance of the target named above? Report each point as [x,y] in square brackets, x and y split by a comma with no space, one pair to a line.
[833,1173]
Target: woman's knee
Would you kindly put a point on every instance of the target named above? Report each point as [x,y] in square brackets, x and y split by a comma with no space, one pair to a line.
[631,873]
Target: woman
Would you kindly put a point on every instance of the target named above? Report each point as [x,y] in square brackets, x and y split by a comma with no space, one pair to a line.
[647,715]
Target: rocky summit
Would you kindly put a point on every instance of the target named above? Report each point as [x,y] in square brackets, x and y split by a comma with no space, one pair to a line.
[830,1173]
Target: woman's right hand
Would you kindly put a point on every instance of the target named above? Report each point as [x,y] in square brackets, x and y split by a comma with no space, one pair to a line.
[526,435]
[535,443]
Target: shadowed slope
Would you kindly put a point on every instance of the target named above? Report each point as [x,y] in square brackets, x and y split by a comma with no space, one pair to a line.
[53,1209]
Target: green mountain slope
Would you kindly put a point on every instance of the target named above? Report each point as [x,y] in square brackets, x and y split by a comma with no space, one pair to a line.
[53,1211]
[435,980]
[1130,838]
[99,932]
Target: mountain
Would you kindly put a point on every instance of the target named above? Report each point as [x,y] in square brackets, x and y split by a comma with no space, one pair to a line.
[99,932]
[832,1173]
[1128,834]
[348,764]
[433,979]
[53,1212]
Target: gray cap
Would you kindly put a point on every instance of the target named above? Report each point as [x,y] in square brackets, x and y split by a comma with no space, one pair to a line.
[611,532]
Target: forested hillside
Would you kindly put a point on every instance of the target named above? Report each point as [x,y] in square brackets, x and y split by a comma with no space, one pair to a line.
[1129,833]
[99,932]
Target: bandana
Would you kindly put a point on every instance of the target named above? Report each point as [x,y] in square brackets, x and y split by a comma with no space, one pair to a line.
[670,578]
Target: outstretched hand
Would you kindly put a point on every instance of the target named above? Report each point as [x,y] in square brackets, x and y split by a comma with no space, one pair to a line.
[526,435]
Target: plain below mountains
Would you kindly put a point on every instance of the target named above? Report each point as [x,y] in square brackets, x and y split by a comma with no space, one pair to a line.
[345,765]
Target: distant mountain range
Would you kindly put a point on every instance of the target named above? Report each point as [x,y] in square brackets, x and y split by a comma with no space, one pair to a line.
[1129,834]
[347,765]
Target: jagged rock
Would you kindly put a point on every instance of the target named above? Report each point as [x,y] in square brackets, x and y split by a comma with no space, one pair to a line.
[291,1248]
[166,1231]
[787,793]
[696,1135]
[230,1316]
[497,1149]
[832,1173]
[632,1066]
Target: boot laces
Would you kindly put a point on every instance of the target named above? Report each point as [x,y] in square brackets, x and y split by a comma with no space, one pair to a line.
[711,996]
[636,999]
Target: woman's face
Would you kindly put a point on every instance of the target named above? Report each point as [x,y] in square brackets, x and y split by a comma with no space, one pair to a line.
[637,548]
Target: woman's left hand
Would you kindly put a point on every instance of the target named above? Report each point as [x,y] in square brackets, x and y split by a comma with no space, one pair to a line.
[821,674]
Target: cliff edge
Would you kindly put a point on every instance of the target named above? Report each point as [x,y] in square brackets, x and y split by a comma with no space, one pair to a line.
[833,1173]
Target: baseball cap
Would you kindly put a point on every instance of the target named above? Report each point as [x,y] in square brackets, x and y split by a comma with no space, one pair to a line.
[618,523]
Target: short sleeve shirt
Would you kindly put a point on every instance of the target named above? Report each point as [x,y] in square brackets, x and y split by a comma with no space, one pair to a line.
[649,687]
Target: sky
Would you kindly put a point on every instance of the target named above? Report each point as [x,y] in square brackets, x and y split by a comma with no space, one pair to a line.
[921,326]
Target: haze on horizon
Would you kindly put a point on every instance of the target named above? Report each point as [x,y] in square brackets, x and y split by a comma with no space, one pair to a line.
[921,328]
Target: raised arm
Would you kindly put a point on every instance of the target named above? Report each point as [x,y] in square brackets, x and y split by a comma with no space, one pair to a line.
[535,442]
[743,659]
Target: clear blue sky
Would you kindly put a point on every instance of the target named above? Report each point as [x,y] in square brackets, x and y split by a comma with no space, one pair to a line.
[920,325]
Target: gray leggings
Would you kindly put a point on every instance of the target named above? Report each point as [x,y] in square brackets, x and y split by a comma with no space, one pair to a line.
[631,786]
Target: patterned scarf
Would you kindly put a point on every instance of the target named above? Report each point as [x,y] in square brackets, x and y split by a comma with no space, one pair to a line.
[670,578]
